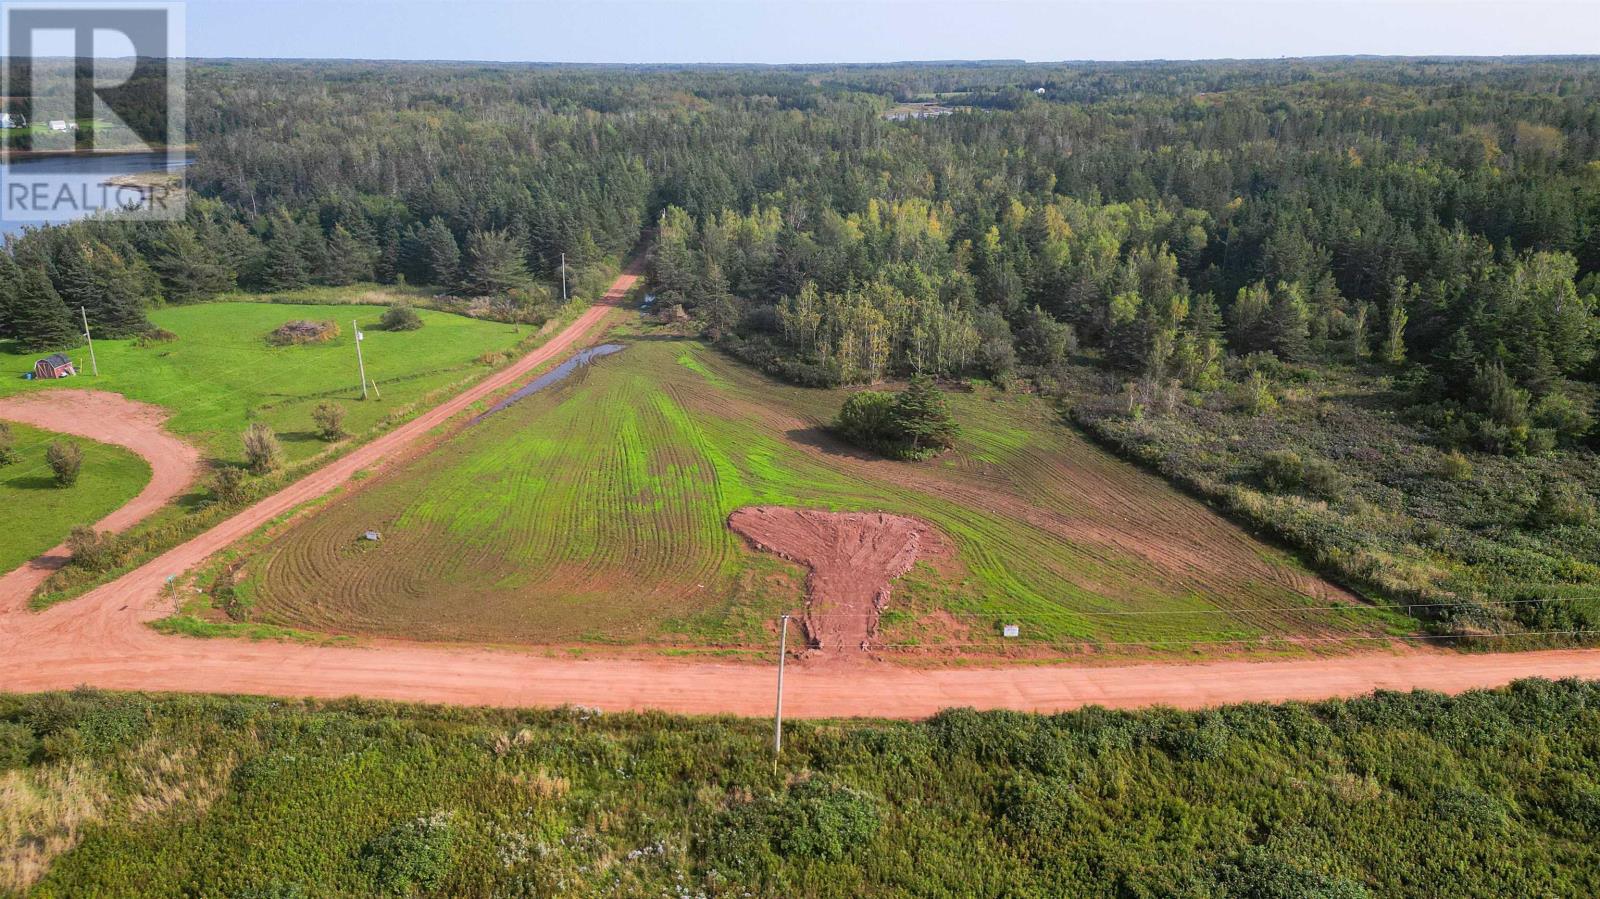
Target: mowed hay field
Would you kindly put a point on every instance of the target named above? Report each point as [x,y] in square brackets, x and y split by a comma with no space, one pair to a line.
[595,511]
[221,373]
[40,514]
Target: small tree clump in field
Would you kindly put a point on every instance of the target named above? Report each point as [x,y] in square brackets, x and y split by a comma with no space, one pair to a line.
[228,485]
[330,420]
[65,459]
[262,452]
[915,424]
[91,549]
[866,419]
[400,317]
[8,445]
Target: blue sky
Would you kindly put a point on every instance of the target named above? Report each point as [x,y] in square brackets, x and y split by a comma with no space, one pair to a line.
[775,31]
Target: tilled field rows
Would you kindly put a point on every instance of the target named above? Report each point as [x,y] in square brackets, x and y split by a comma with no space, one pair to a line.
[596,511]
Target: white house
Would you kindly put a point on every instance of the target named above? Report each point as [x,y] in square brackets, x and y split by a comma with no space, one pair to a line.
[59,125]
[13,120]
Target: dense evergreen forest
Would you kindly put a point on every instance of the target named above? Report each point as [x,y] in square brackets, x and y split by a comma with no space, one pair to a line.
[1353,301]
[1395,795]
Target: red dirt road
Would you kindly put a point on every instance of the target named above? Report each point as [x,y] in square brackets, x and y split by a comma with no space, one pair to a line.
[108,418]
[100,640]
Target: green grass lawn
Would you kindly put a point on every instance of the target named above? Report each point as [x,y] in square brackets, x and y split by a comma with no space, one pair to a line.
[596,511]
[221,373]
[39,514]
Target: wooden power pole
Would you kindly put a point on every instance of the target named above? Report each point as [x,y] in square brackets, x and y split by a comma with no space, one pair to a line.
[777,718]
[361,364]
[95,366]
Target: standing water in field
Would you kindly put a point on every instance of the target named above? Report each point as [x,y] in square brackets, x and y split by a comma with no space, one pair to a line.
[554,375]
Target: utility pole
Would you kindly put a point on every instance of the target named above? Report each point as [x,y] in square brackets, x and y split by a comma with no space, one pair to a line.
[563,279]
[92,363]
[360,363]
[777,718]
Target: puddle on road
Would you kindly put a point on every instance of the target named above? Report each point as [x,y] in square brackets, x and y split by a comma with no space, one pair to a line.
[553,376]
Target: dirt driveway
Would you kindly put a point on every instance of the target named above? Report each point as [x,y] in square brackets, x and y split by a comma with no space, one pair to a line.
[108,418]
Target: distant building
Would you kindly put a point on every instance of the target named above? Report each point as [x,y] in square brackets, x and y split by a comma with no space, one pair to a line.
[56,366]
[59,125]
[1039,90]
[13,120]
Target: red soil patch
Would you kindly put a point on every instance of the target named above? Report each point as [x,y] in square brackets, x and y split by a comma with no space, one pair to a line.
[852,556]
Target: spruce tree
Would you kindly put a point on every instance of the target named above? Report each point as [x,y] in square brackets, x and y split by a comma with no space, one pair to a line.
[189,270]
[348,260]
[440,254]
[285,266]
[717,307]
[1289,324]
[10,277]
[923,419]
[91,277]
[40,320]
[494,264]
[386,266]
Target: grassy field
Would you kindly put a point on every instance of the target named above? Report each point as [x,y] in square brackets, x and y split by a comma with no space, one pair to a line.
[595,512]
[221,373]
[1394,796]
[38,513]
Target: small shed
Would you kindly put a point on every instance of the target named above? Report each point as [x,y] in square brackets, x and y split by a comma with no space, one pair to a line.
[53,366]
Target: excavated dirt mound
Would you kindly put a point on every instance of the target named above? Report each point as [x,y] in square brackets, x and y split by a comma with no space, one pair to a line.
[852,556]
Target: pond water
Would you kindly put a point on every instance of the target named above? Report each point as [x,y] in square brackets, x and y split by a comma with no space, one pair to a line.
[555,375]
[79,173]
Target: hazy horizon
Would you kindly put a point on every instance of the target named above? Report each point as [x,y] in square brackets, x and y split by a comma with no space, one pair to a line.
[761,32]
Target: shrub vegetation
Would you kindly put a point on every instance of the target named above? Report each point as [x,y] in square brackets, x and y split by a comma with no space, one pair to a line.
[262,452]
[1492,793]
[65,459]
[400,318]
[329,419]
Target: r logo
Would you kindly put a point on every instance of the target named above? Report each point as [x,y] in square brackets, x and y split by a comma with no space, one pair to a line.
[102,80]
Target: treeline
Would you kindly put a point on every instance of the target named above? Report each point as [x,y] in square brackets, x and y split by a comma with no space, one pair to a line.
[1443,220]
[1442,217]
[304,175]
